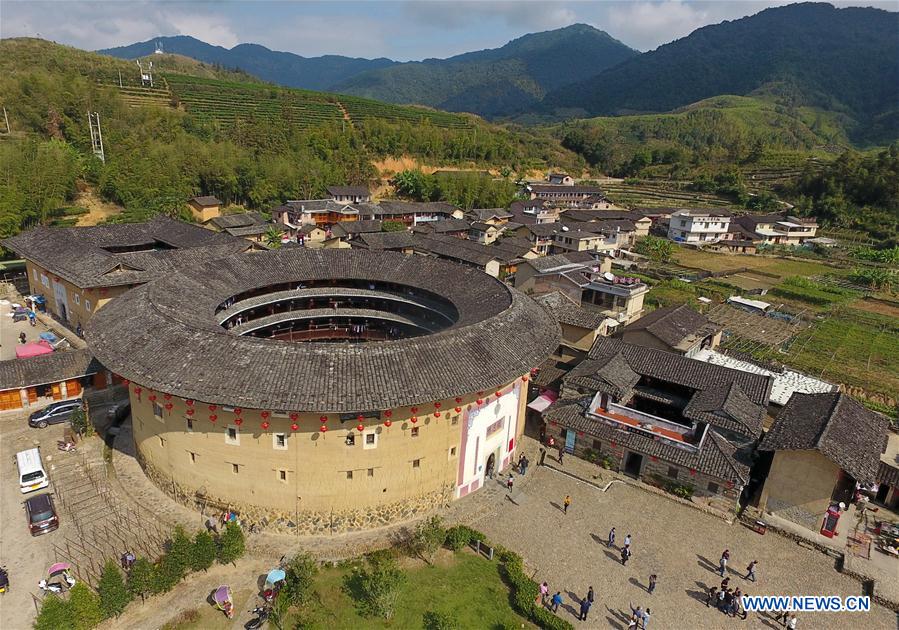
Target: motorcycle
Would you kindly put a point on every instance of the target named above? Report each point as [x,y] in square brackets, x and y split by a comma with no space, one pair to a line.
[66,446]
[4,580]
[262,613]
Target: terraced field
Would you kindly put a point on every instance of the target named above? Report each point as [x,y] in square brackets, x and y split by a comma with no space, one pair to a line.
[362,110]
[649,194]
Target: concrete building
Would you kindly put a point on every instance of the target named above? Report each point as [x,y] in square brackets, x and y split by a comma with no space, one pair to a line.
[483,233]
[204,208]
[778,229]
[677,329]
[822,445]
[325,390]
[698,226]
[80,269]
[533,212]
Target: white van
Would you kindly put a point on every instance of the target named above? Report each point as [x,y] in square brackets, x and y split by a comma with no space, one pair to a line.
[32,475]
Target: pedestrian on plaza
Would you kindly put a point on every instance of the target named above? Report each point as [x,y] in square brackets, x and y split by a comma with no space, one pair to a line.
[557,601]
[725,583]
[520,463]
[129,560]
[791,622]
[750,570]
[590,595]
[728,601]
[544,591]
[722,594]
[32,317]
[561,454]
[124,561]
[509,483]
[636,617]
[611,537]
[652,583]
[22,337]
[646,616]
[735,605]
[627,540]
[524,468]
[722,563]
[585,608]
[566,503]
[625,555]
[712,597]
[542,456]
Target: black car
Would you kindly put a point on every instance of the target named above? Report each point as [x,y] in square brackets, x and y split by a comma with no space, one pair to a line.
[118,412]
[54,413]
[41,514]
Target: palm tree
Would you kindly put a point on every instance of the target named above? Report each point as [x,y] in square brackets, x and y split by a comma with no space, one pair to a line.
[272,237]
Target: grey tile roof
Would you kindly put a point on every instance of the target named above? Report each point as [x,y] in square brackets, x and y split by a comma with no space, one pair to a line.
[550,373]
[47,368]
[442,226]
[556,261]
[206,201]
[671,325]
[485,214]
[239,220]
[164,336]
[544,230]
[388,207]
[613,376]
[383,240]
[835,425]
[255,230]
[484,227]
[351,191]
[346,228]
[562,188]
[85,256]
[715,458]
[567,312]
[318,205]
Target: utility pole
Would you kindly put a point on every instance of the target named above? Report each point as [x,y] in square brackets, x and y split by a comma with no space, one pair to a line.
[6,120]
[93,121]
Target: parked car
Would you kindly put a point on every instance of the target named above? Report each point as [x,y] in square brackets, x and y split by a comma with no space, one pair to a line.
[54,413]
[41,514]
[118,412]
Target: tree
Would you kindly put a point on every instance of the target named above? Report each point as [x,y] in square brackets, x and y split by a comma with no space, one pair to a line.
[657,249]
[272,237]
[428,538]
[231,543]
[180,551]
[55,614]
[300,579]
[80,422]
[84,606]
[434,620]
[379,585]
[114,595]
[166,574]
[393,226]
[203,551]
[140,578]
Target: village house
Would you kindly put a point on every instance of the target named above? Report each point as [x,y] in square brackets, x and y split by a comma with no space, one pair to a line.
[540,235]
[586,281]
[484,233]
[579,240]
[778,229]
[36,381]
[737,240]
[560,179]
[348,230]
[310,235]
[449,227]
[79,269]
[677,329]
[822,445]
[566,195]
[350,194]
[323,212]
[623,231]
[499,259]
[698,226]
[491,216]
[249,225]
[533,211]
[887,490]
[640,221]
[385,241]
[663,418]
[204,208]
[409,213]
[580,326]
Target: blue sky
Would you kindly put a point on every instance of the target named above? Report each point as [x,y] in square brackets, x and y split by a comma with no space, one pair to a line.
[394,29]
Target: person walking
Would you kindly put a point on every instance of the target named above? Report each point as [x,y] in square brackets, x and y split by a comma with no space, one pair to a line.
[722,594]
[561,454]
[712,597]
[627,540]
[566,503]
[791,622]
[585,608]
[750,570]
[725,583]
[542,457]
[625,555]
[557,601]
[646,615]
[509,483]
[735,605]
[524,465]
[652,583]
[636,617]
[520,464]
[544,592]
[722,563]
[611,538]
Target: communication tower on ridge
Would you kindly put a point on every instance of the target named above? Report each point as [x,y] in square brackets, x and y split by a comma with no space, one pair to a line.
[146,76]
[159,49]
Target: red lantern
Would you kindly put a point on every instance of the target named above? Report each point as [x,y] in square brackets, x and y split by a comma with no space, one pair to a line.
[189,403]
[499,394]
[436,414]
[480,401]
[654,458]
[480,393]
[265,414]
[458,400]
[168,407]
[534,371]
[138,390]
[125,381]
[323,419]
[323,428]
[524,379]
[294,426]
[437,405]
[189,412]
[213,417]
[614,445]
[238,411]
[152,397]
[413,419]
[458,409]
[265,425]
[360,427]
[387,423]
[238,421]
[167,396]
[414,409]
[554,423]
[360,417]
[212,407]
[388,414]
[692,472]
[580,434]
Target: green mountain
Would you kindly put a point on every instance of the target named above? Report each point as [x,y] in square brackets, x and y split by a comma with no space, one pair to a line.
[284,68]
[498,81]
[841,60]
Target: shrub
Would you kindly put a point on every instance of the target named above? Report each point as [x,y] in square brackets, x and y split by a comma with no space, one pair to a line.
[231,543]
[180,550]
[440,621]
[84,608]
[202,553]
[80,422]
[393,226]
[300,579]
[378,585]
[166,574]
[525,592]
[459,536]
[140,579]
[428,538]
[54,614]
[114,595]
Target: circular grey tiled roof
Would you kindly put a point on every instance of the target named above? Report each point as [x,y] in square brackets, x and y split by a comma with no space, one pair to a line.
[164,335]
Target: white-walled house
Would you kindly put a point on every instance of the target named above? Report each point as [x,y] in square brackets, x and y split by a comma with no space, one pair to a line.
[698,226]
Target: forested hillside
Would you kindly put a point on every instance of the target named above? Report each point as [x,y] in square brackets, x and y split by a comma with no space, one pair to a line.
[840,60]
[246,143]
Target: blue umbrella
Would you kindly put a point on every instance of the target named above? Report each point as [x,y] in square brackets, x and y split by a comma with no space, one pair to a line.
[275,575]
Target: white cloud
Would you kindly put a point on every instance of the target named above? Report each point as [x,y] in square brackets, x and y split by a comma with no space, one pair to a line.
[532,14]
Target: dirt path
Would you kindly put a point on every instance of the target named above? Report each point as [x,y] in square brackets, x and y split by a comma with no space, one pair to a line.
[98,210]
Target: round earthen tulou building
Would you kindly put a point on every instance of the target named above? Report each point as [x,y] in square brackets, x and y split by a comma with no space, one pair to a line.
[325,390]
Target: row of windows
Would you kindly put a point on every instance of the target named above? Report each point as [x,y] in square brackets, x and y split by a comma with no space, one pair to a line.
[76,296]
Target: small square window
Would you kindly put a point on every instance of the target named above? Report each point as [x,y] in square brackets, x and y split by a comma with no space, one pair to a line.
[77,298]
[416,463]
[673,472]
[157,411]
[282,475]
[87,305]
[350,439]
[455,420]
[235,468]
[162,441]
[35,273]
[370,438]
[597,445]
[232,436]
[452,452]
[713,487]
[349,474]
[279,441]
[193,457]
[371,472]
[190,425]
[414,431]
[564,433]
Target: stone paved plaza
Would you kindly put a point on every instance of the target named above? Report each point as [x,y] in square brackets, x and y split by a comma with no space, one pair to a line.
[679,544]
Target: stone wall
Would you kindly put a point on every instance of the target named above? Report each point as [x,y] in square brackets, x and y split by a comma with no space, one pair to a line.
[308,522]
